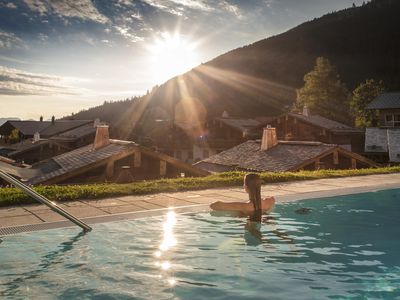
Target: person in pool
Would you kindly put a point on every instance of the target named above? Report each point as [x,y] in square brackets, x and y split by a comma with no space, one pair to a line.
[252,185]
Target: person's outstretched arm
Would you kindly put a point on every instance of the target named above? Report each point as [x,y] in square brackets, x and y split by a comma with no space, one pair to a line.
[232,206]
[268,203]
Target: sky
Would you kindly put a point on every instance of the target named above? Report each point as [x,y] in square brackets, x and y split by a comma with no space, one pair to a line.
[62,56]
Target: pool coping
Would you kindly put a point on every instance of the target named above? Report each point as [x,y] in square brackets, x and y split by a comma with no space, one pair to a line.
[291,196]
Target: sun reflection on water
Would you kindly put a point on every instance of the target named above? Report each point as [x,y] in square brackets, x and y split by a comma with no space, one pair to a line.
[168,241]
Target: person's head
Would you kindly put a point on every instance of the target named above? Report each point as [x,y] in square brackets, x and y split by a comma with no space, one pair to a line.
[252,185]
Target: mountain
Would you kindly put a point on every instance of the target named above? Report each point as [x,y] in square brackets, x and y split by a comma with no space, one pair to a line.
[3,120]
[261,78]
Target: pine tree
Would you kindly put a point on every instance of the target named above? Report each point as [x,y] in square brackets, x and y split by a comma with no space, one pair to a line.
[361,97]
[324,93]
[14,136]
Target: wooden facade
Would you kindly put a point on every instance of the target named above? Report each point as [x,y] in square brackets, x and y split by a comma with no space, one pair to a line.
[292,128]
[389,118]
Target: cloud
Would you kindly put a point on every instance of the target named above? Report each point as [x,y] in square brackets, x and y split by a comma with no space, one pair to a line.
[37,5]
[193,4]
[128,34]
[18,82]
[82,9]
[9,5]
[177,6]
[9,40]
[234,9]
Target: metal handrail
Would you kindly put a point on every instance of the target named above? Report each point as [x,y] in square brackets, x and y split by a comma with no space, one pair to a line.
[53,206]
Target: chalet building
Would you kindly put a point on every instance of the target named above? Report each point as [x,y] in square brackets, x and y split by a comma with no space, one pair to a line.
[193,143]
[272,155]
[223,133]
[46,129]
[175,143]
[382,142]
[105,160]
[58,138]
[309,127]
[18,170]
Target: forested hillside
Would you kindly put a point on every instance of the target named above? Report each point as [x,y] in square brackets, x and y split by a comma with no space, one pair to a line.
[261,78]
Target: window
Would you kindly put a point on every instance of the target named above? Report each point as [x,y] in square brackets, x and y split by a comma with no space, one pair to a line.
[206,154]
[190,154]
[392,120]
[178,154]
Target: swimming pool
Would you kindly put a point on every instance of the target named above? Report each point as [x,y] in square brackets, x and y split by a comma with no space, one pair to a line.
[344,247]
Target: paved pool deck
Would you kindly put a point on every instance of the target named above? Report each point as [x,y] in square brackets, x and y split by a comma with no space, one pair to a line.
[39,216]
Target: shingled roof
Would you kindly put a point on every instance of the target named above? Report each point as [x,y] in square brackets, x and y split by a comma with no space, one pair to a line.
[86,158]
[26,145]
[45,128]
[17,171]
[76,133]
[240,124]
[26,127]
[79,158]
[285,156]
[385,101]
[62,126]
[325,123]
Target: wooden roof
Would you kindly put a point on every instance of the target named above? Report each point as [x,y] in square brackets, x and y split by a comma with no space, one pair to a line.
[25,127]
[16,171]
[26,145]
[61,126]
[86,158]
[45,128]
[285,156]
[76,133]
[385,101]
[240,124]
[325,123]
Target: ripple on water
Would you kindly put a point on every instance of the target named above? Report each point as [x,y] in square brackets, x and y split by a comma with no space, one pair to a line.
[336,251]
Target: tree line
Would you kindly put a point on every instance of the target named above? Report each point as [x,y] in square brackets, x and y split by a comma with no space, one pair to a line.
[325,94]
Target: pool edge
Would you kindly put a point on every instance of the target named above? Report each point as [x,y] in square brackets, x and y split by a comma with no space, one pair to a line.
[12,230]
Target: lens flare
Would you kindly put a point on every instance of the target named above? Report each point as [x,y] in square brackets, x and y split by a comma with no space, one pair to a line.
[171,55]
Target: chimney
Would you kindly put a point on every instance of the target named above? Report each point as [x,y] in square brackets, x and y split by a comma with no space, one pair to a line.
[225,114]
[36,137]
[96,122]
[53,119]
[41,119]
[269,138]
[102,137]
[306,111]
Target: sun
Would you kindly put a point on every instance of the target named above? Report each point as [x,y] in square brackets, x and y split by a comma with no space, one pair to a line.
[171,55]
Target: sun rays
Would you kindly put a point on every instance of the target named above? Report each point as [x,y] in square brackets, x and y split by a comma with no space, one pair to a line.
[188,101]
[171,55]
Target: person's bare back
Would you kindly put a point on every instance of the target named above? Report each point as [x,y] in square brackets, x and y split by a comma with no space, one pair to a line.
[252,185]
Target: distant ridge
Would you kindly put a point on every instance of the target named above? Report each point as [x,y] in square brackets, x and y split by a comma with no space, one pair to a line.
[3,120]
[261,78]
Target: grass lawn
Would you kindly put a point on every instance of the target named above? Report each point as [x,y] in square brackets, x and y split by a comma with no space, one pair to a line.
[10,196]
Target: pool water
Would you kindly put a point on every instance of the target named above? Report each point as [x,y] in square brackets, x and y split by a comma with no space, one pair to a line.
[345,247]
